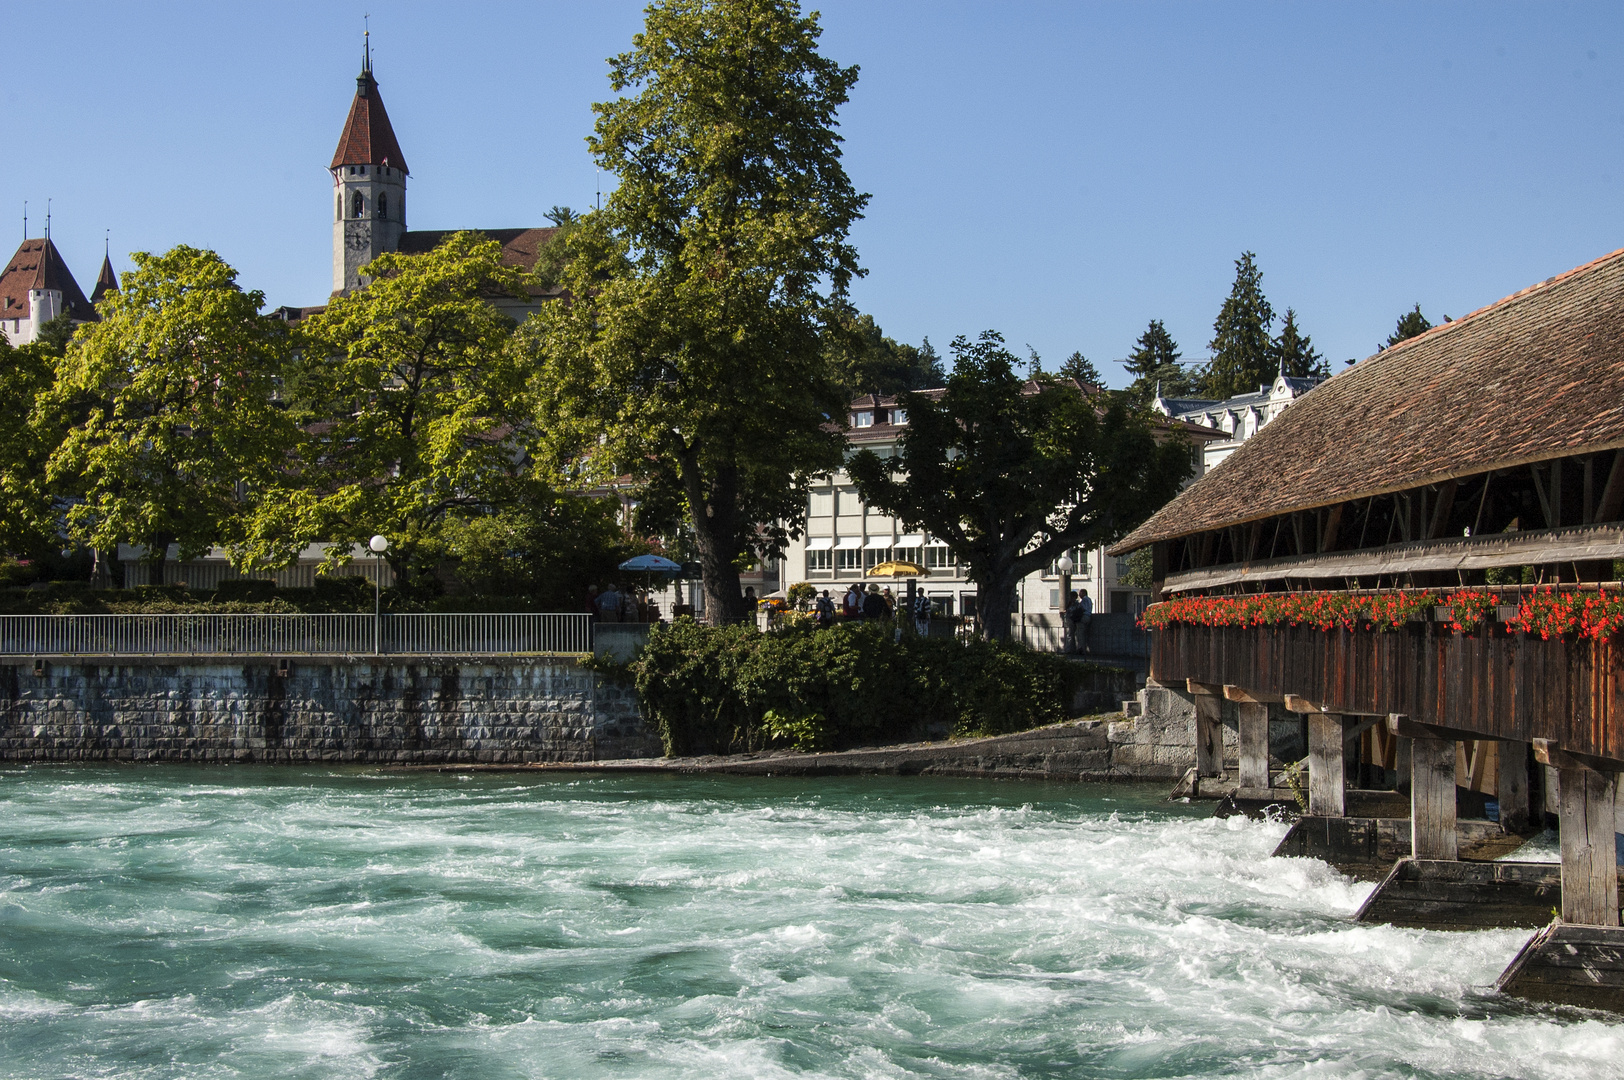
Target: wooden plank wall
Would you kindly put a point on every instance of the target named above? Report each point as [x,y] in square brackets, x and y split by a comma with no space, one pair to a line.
[1497,684]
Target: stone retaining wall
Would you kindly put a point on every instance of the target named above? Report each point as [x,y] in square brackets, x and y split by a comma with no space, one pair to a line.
[396,710]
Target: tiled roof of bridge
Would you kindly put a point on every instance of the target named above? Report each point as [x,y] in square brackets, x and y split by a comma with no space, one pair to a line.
[1535,376]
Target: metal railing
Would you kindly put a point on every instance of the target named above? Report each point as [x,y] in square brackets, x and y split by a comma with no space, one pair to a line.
[480,634]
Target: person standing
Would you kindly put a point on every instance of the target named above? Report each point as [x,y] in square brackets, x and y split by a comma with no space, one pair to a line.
[825,609]
[921,614]
[1079,612]
[609,605]
[874,606]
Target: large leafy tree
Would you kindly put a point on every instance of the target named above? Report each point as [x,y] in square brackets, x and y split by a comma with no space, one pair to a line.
[27,520]
[1242,350]
[413,403]
[1010,479]
[691,353]
[1294,352]
[172,435]
[1154,365]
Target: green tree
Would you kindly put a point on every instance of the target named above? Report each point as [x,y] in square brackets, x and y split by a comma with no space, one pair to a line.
[541,554]
[691,353]
[28,521]
[878,364]
[1410,324]
[1079,367]
[173,435]
[414,401]
[1010,479]
[1294,352]
[1242,351]
[1154,364]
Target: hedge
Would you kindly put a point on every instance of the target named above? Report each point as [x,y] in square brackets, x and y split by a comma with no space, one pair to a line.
[719,690]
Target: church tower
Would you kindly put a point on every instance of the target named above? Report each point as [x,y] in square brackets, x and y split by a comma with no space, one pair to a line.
[369,184]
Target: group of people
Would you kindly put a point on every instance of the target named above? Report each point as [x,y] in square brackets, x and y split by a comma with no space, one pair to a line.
[1079,613]
[614,605]
[871,605]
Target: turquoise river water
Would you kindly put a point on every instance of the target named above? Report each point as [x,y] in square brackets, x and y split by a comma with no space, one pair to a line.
[278,922]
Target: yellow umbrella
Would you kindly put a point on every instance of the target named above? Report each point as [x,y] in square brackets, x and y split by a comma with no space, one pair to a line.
[899,569]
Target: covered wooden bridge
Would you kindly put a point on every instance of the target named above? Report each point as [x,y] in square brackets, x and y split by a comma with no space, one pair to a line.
[1416,556]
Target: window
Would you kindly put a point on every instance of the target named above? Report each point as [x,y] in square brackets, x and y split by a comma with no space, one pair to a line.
[1079,564]
[357,205]
[899,416]
[823,504]
[849,504]
[338,210]
[819,560]
[1054,598]
[850,559]
[862,419]
[907,554]
[938,557]
[875,556]
[383,206]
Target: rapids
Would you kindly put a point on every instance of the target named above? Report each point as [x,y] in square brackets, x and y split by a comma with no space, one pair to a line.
[277,922]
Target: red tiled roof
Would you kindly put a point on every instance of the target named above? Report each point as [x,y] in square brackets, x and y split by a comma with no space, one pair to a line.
[368,138]
[38,265]
[1535,376]
[520,247]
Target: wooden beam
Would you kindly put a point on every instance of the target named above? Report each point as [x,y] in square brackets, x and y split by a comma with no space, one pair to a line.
[1209,735]
[1549,752]
[1297,704]
[1432,799]
[1440,512]
[1589,855]
[1612,494]
[1251,697]
[1576,543]
[1333,525]
[1511,786]
[1325,766]
[1406,728]
[1209,689]
[1254,745]
[1544,500]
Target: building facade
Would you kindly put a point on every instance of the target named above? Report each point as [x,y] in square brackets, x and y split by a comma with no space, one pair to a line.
[1239,417]
[846,539]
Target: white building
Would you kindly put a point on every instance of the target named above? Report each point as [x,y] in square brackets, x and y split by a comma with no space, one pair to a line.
[1239,417]
[845,539]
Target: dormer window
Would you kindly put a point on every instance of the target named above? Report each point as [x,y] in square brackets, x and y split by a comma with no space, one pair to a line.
[899,416]
[862,419]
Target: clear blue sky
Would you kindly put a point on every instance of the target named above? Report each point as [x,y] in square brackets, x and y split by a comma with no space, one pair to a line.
[1059,172]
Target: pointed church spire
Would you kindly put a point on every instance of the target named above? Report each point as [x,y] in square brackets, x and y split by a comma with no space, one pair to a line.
[368,137]
[106,281]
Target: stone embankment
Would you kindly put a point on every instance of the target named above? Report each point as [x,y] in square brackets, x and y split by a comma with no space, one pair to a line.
[395,710]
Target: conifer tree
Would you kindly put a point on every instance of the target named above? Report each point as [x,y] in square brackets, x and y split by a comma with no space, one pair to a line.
[1294,352]
[1410,324]
[1154,363]
[1242,351]
[1079,367]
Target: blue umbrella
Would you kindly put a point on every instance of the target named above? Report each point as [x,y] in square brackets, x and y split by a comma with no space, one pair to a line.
[651,564]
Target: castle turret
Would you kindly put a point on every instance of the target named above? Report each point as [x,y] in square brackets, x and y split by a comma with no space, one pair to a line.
[369,185]
[35,288]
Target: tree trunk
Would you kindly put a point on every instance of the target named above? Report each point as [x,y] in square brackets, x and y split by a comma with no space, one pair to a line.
[713,510]
[992,605]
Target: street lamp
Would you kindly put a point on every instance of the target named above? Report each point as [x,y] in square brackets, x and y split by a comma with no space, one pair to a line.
[1065,566]
[379,545]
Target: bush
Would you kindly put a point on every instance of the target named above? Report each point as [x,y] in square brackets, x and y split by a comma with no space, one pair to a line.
[717,690]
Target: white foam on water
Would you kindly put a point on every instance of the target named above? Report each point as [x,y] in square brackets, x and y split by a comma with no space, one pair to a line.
[344,925]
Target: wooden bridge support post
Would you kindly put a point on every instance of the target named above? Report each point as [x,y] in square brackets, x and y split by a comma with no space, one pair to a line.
[1432,799]
[1209,735]
[1253,738]
[1511,786]
[1589,858]
[1325,775]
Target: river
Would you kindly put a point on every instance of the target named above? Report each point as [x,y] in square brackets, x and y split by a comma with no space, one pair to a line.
[278,922]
